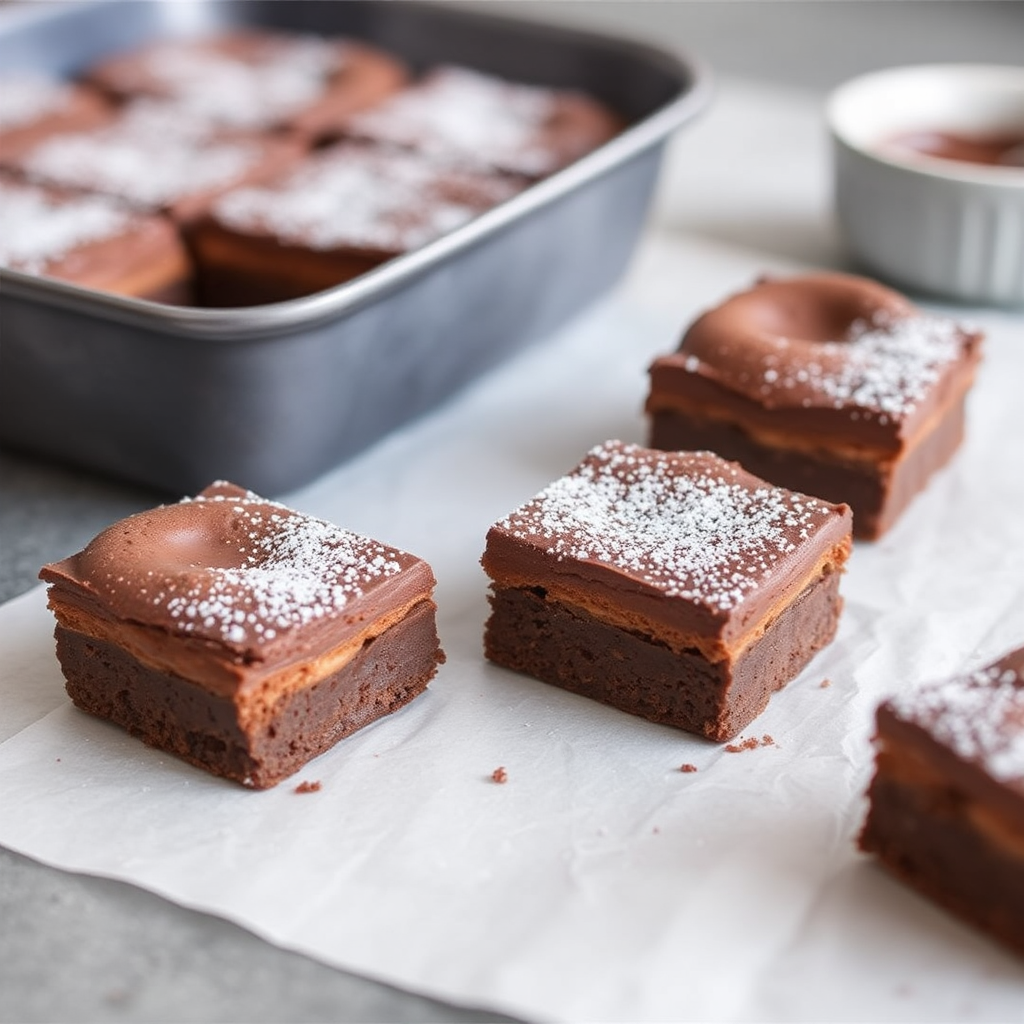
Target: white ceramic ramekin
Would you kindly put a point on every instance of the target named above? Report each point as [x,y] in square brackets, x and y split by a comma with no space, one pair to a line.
[948,227]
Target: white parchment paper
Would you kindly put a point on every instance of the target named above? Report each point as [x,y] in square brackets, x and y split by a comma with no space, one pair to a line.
[600,882]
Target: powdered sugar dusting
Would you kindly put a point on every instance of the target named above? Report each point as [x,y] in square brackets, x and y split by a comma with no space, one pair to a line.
[391,201]
[681,522]
[276,82]
[461,112]
[26,98]
[979,716]
[36,230]
[293,570]
[886,367]
[142,161]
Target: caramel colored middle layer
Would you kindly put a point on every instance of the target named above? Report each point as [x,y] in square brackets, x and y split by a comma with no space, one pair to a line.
[257,684]
[608,606]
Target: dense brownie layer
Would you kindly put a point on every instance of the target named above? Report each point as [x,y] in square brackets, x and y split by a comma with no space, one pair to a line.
[212,732]
[817,378]
[924,838]
[572,649]
[946,811]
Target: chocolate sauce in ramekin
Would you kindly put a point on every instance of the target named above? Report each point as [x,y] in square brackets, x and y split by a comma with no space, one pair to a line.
[1002,149]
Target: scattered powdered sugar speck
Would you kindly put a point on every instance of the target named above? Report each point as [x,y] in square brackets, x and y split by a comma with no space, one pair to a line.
[362,199]
[24,98]
[885,367]
[226,90]
[36,230]
[294,570]
[979,716]
[888,367]
[145,166]
[682,523]
[464,112]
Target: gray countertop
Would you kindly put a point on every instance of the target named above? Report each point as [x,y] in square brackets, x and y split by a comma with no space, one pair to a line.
[81,948]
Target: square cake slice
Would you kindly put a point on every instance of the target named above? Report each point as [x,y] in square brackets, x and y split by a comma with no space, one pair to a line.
[92,241]
[946,804]
[672,585]
[829,384]
[341,212]
[240,635]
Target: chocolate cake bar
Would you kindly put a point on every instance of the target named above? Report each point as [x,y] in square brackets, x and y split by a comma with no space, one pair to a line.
[476,119]
[240,635]
[672,585]
[33,107]
[341,212]
[92,241]
[946,809]
[828,383]
[256,80]
[151,159]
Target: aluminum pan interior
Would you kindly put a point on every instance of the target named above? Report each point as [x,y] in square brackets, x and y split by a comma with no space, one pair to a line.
[271,396]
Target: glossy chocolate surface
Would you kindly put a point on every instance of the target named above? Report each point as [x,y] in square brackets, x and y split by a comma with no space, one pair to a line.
[833,355]
[684,542]
[228,587]
[1005,149]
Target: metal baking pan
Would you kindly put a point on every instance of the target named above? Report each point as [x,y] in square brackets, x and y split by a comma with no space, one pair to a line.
[272,396]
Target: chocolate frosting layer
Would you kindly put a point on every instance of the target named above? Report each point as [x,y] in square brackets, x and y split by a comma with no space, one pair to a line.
[978,716]
[853,358]
[237,580]
[685,539]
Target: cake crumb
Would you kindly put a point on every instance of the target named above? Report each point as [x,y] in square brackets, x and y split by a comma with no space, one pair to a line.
[687,767]
[825,684]
[500,776]
[308,787]
[750,743]
[767,740]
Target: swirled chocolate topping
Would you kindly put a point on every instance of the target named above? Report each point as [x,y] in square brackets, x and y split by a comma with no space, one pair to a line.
[825,340]
[232,569]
